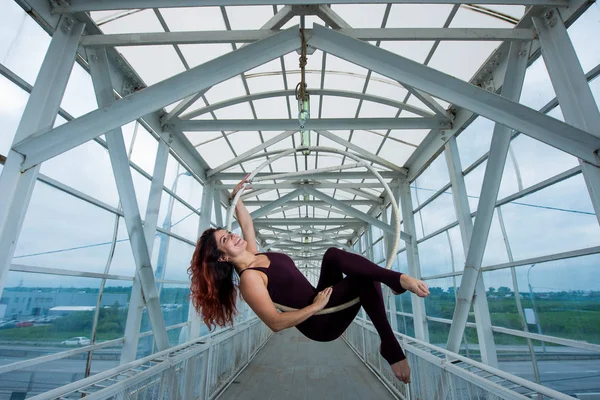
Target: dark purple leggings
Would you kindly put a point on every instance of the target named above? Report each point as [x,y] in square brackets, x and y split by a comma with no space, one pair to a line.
[363,279]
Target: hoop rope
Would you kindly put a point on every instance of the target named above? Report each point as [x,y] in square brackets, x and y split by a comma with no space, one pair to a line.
[359,161]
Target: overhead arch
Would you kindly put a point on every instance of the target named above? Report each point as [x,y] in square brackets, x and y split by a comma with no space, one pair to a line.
[318,92]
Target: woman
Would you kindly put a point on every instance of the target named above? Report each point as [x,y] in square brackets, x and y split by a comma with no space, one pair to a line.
[272,277]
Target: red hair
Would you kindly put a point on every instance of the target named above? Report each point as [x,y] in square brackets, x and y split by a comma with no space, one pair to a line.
[213,292]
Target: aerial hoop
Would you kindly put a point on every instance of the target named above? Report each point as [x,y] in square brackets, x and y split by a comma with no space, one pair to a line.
[359,162]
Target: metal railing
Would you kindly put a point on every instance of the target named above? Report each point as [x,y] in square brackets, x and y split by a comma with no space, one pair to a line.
[438,374]
[199,369]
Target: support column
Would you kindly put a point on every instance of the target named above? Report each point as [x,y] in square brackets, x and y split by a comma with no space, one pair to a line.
[412,255]
[193,329]
[511,90]
[120,165]
[136,302]
[572,89]
[39,116]
[218,210]
[463,213]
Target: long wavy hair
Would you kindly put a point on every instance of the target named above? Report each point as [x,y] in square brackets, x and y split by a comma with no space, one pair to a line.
[213,291]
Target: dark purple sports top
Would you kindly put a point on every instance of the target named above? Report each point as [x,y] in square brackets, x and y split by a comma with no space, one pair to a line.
[287,285]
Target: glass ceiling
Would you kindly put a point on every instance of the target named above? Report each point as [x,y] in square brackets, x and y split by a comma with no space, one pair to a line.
[335,85]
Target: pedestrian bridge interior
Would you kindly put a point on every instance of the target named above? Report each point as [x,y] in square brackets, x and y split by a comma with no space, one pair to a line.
[455,142]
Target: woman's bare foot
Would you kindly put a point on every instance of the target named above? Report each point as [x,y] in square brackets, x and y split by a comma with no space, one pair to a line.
[411,284]
[402,370]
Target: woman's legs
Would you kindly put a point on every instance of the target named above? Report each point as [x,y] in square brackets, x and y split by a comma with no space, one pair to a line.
[363,282]
[336,261]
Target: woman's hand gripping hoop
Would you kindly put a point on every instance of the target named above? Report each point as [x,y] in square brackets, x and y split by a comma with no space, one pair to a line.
[239,190]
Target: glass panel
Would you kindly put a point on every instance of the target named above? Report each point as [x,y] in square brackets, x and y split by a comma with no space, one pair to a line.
[440,303]
[12,104]
[438,214]
[174,303]
[24,43]
[432,179]
[177,259]
[565,300]
[435,256]
[56,233]
[85,168]
[556,219]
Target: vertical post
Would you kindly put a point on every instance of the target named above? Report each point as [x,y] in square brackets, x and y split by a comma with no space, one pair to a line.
[511,89]
[136,302]
[193,329]
[412,255]
[103,87]
[39,116]
[463,213]
[572,89]
[218,210]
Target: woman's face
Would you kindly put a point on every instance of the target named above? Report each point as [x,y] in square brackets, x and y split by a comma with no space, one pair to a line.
[229,243]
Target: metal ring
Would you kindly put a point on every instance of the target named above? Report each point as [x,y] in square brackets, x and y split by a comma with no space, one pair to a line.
[355,157]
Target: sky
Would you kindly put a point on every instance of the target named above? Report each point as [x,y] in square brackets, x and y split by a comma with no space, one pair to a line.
[58,221]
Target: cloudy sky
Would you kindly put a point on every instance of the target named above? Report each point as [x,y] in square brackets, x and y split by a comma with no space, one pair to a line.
[559,218]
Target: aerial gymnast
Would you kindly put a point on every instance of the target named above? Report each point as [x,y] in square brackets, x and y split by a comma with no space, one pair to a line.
[267,278]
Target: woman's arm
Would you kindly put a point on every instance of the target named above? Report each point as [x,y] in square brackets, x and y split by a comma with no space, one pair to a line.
[243,217]
[256,295]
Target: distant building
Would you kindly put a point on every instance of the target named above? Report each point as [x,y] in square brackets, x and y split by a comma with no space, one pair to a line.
[33,303]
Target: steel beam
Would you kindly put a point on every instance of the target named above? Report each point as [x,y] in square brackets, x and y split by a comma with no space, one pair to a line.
[344,175]
[306,221]
[490,105]
[412,256]
[266,209]
[136,302]
[138,104]
[312,124]
[250,36]
[572,90]
[330,17]
[320,185]
[366,154]
[317,92]
[218,210]
[513,83]
[124,180]
[242,157]
[39,114]
[463,212]
[99,5]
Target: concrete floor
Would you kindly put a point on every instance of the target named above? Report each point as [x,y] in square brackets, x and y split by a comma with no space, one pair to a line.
[292,367]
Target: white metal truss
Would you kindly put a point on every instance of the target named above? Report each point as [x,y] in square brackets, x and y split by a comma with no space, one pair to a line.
[572,90]
[39,114]
[139,104]
[124,180]
[499,109]
[513,83]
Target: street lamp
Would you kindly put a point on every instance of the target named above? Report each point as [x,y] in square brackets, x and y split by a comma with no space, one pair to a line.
[537,320]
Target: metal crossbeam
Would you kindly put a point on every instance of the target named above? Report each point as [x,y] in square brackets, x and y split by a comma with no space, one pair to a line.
[307,221]
[312,124]
[490,105]
[99,5]
[138,104]
[238,176]
[249,36]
